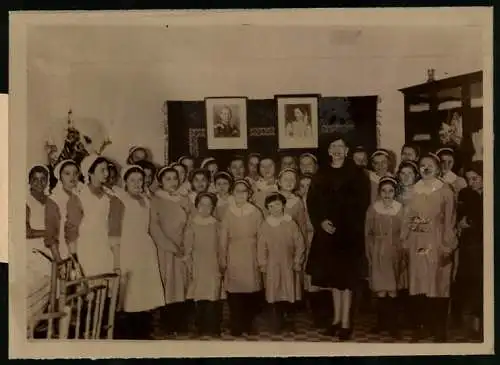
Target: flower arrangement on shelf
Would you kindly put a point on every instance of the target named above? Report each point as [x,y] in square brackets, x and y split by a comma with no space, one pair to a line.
[81,138]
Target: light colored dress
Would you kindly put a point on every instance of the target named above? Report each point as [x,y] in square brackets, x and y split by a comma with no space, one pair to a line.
[138,258]
[404,197]
[169,214]
[221,207]
[383,245]
[38,268]
[96,217]
[261,190]
[309,237]
[457,183]
[201,242]
[432,243]
[56,211]
[238,254]
[281,253]
[184,188]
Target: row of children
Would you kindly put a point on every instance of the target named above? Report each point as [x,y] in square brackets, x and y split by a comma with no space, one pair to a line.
[205,235]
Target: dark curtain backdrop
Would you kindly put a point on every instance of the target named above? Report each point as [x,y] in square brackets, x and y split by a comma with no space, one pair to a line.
[353,117]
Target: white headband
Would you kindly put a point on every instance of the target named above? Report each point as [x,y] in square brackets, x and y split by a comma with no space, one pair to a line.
[130,167]
[87,162]
[207,161]
[60,165]
[380,152]
[308,155]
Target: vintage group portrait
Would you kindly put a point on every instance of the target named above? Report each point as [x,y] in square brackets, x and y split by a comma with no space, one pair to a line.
[321,189]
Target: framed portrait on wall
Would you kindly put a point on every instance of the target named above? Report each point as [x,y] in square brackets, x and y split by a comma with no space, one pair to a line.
[297,121]
[226,122]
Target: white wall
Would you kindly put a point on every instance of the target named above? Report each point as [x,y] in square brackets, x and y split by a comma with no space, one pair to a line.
[122,76]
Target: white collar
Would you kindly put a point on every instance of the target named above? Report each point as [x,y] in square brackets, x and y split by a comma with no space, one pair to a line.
[422,188]
[275,222]
[450,177]
[244,210]
[264,186]
[192,196]
[224,201]
[204,220]
[382,209]
[291,201]
[166,195]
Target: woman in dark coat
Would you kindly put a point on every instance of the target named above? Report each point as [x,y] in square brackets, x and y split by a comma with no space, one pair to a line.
[337,202]
[470,264]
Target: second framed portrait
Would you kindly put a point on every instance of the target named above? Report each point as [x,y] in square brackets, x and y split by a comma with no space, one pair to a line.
[297,121]
[226,122]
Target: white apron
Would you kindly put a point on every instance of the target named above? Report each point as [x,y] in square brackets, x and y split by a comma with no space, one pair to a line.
[93,249]
[61,198]
[38,267]
[139,260]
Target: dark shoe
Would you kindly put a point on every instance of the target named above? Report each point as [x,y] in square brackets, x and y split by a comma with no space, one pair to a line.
[345,334]
[418,334]
[236,333]
[332,330]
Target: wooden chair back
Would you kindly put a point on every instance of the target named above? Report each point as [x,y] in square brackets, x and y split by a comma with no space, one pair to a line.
[90,305]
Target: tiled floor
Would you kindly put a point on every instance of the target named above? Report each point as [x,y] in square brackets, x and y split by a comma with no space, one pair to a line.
[304,331]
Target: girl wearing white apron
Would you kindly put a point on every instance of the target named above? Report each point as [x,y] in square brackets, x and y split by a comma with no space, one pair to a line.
[38,267]
[66,172]
[95,218]
[143,289]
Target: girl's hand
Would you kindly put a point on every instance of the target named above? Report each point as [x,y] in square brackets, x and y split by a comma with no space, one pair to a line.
[327,226]
[463,223]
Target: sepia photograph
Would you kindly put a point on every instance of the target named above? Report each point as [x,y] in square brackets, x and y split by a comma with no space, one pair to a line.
[355,219]
[226,123]
[297,122]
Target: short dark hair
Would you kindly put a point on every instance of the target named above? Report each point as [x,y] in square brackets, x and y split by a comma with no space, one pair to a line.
[37,169]
[274,197]
[132,170]
[99,160]
[147,165]
[211,196]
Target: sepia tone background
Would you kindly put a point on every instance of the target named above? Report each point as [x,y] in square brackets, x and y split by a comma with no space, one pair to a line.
[123,75]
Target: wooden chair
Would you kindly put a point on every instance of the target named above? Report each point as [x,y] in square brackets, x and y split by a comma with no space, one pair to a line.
[44,314]
[90,305]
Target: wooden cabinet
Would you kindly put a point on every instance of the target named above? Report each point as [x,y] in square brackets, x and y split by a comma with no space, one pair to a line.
[447,112]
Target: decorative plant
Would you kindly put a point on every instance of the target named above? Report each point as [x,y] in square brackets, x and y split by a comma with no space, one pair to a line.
[81,138]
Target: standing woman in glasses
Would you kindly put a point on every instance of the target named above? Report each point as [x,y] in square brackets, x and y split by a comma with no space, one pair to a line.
[94,220]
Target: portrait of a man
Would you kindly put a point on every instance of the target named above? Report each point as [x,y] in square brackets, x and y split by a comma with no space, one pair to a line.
[226,122]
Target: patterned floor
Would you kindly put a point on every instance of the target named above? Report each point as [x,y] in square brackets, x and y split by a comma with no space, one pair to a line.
[305,332]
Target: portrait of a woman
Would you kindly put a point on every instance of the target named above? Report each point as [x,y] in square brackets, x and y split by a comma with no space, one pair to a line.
[299,126]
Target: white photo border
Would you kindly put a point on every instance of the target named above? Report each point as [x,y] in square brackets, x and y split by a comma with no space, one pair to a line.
[20,23]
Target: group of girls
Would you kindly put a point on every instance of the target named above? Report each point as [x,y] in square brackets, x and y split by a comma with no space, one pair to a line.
[423,237]
[184,238]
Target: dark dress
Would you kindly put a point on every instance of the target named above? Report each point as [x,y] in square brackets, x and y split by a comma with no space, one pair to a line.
[341,195]
[470,263]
